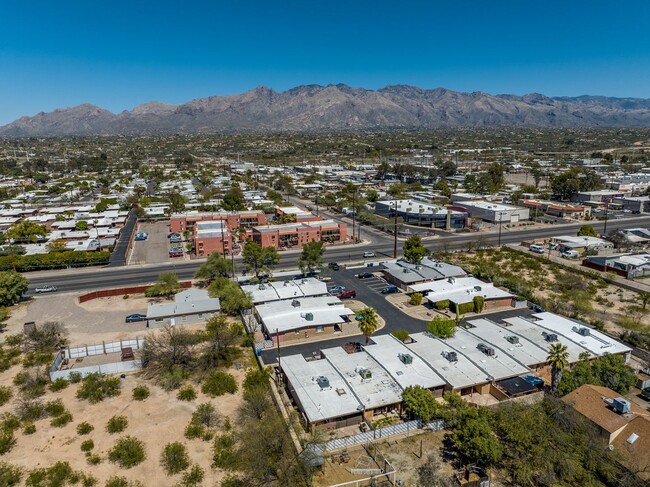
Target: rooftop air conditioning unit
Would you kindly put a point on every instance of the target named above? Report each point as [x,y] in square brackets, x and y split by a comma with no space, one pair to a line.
[261,287]
[550,337]
[584,331]
[477,288]
[513,339]
[323,382]
[365,374]
[295,303]
[621,405]
[309,316]
[451,356]
[489,351]
[406,358]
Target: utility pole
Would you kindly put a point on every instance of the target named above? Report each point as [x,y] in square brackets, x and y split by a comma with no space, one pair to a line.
[395,233]
[354,214]
[605,227]
[500,220]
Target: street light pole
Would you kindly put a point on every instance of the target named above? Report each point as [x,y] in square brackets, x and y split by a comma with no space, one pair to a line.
[395,233]
[354,214]
[500,220]
[605,227]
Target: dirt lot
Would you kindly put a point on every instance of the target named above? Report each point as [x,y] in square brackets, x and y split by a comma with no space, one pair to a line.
[158,420]
[153,250]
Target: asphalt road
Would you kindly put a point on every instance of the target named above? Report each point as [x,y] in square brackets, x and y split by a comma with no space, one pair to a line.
[369,292]
[102,278]
[118,257]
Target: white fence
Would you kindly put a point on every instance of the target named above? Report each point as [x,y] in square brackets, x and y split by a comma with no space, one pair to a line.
[116,367]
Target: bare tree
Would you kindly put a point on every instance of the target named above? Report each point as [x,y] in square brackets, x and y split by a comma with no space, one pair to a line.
[168,348]
[48,337]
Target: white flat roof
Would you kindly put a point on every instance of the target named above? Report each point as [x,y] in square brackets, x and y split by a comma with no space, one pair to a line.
[377,391]
[499,366]
[489,205]
[276,291]
[460,289]
[525,352]
[387,350]
[319,404]
[283,316]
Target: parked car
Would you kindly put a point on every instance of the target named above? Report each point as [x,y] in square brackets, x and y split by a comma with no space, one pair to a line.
[538,249]
[390,290]
[368,254]
[365,275]
[174,234]
[334,266]
[135,317]
[645,393]
[45,289]
[553,245]
[176,239]
[346,294]
[175,253]
[335,289]
[141,236]
[570,254]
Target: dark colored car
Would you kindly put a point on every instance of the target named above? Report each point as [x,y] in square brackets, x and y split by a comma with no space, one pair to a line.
[176,253]
[365,275]
[135,317]
[346,294]
[390,290]
[645,393]
[334,266]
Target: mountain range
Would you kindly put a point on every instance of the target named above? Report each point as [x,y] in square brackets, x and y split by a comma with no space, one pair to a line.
[339,108]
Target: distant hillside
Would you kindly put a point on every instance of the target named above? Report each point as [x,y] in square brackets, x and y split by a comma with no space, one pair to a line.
[339,107]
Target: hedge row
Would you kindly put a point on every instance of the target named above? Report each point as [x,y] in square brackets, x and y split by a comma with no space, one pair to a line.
[440,305]
[54,260]
[462,308]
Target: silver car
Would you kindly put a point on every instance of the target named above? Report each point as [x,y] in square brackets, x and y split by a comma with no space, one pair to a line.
[45,289]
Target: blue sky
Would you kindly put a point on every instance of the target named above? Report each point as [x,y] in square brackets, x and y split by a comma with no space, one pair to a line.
[118,54]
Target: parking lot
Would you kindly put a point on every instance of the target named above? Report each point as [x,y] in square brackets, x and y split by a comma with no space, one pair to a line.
[155,249]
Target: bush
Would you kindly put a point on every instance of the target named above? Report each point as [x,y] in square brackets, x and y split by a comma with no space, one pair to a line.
[55,475]
[32,384]
[84,428]
[401,335]
[55,408]
[10,475]
[172,379]
[87,445]
[442,327]
[117,424]
[30,409]
[174,458]
[7,441]
[96,388]
[187,393]
[224,454]
[140,393]
[478,303]
[58,384]
[75,377]
[55,260]
[193,478]
[62,420]
[194,431]
[218,383]
[93,459]
[416,299]
[9,422]
[232,481]
[5,395]
[122,482]
[29,429]
[127,452]
[206,415]
[440,305]
[463,308]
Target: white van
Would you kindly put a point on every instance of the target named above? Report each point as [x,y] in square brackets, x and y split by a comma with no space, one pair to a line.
[538,249]
[570,254]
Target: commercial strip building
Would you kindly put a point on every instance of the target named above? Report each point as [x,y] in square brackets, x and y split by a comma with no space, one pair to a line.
[560,210]
[403,274]
[297,234]
[462,290]
[283,290]
[635,204]
[581,244]
[180,222]
[340,386]
[415,212]
[629,266]
[494,212]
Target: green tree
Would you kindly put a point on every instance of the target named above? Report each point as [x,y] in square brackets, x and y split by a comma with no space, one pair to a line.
[232,298]
[26,232]
[368,321]
[259,259]
[58,245]
[587,231]
[174,458]
[558,358]
[222,338]
[607,371]
[216,266]
[414,250]
[176,202]
[420,402]
[233,200]
[311,257]
[167,285]
[81,226]
[479,303]
[476,442]
[537,173]
[12,287]
[442,327]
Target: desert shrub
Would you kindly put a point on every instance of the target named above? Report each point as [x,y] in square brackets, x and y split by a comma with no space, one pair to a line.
[218,383]
[440,305]
[86,480]
[5,395]
[55,408]
[232,481]
[194,431]
[193,477]
[32,383]
[9,422]
[96,388]
[206,415]
[75,377]
[117,424]
[172,379]
[87,445]
[122,482]
[416,299]
[29,429]
[84,428]
[187,393]
[93,459]
[10,475]
[174,458]
[7,441]
[127,452]
[56,475]
[140,393]
[401,335]
[62,420]
[58,384]
[224,453]
[29,409]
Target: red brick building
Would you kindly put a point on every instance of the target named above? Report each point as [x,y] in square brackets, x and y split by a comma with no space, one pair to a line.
[298,234]
[186,221]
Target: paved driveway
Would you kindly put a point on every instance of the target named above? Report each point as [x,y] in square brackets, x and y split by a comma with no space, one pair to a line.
[155,249]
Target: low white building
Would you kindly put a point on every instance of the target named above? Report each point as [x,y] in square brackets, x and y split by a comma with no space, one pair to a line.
[190,306]
[494,212]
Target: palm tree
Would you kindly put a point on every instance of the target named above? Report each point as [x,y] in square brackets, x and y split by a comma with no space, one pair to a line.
[367,322]
[558,357]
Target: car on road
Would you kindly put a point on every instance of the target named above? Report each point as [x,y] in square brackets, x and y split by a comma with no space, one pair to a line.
[135,318]
[346,294]
[45,289]
[390,290]
[334,266]
[365,275]
[367,254]
[141,236]
[335,289]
